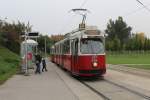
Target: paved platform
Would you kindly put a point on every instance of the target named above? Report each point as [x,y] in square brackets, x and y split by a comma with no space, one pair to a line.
[51,85]
[47,86]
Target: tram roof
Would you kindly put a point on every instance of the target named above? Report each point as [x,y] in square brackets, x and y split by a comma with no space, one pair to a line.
[78,32]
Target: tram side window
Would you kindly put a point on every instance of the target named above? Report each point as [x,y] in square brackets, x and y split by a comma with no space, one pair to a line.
[76,47]
[72,47]
[62,52]
[63,48]
[54,50]
[66,47]
[51,51]
[60,48]
[57,50]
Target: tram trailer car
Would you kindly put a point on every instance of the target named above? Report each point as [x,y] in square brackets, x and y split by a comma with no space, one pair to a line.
[82,52]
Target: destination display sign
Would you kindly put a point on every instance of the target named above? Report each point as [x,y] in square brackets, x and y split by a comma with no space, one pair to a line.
[92,32]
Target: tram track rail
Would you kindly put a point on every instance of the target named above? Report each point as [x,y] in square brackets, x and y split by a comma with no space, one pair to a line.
[130,90]
[132,71]
[95,91]
[106,96]
[121,88]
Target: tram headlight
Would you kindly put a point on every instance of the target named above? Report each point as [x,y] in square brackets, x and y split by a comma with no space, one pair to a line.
[95,64]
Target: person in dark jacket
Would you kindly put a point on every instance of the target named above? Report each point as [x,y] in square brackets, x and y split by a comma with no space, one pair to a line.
[38,59]
[44,65]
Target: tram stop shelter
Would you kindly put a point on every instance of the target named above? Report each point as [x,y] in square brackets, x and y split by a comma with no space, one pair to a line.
[27,54]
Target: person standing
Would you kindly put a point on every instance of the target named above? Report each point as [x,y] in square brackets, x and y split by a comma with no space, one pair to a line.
[44,65]
[38,62]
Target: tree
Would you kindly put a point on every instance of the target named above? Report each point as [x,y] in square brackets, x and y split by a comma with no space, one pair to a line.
[10,34]
[117,45]
[41,43]
[138,41]
[56,38]
[120,29]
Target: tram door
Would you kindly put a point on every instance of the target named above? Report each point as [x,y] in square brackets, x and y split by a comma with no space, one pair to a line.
[74,57]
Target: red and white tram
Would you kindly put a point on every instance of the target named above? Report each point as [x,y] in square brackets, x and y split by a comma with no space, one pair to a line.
[82,52]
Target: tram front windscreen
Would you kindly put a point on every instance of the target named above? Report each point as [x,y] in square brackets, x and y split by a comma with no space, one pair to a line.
[91,46]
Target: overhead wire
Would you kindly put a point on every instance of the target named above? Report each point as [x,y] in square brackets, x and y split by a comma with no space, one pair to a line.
[84,2]
[143,5]
[125,15]
[132,12]
[68,22]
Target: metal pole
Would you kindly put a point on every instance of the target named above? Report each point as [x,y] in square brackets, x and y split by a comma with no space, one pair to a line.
[26,71]
[36,45]
[45,46]
[26,62]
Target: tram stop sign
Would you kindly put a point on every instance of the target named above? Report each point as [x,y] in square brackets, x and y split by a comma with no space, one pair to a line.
[33,34]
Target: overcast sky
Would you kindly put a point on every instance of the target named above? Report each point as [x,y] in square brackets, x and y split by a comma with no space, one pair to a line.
[52,17]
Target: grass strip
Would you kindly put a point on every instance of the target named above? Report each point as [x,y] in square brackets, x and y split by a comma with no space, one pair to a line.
[9,63]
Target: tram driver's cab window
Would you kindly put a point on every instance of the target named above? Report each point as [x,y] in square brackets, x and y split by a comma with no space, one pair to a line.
[91,46]
[66,47]
[74,47]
